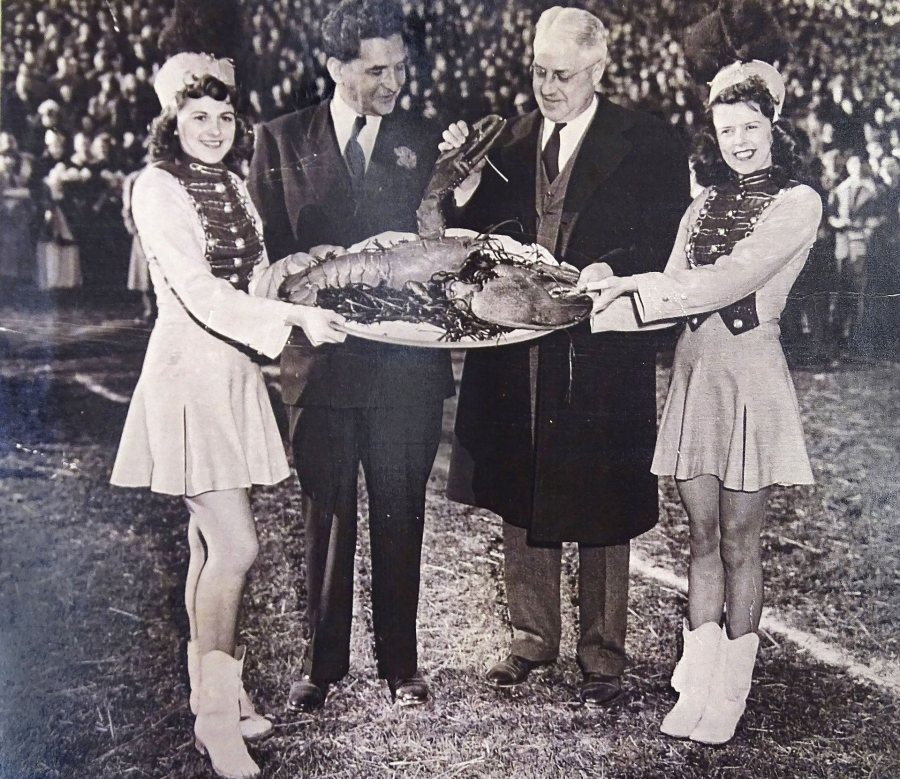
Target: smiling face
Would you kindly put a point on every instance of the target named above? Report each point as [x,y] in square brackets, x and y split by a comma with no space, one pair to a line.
[371,83]
[744,136]
[564,76]
[206,128]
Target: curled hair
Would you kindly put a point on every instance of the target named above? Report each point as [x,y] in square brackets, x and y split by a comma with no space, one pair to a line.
[163,140]
[354,21]
[706,159]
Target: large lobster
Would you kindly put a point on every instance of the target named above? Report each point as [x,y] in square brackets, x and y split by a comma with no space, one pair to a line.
[497,286]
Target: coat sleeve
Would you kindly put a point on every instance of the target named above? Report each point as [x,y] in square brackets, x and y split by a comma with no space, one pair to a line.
[786,231]
[171,235]
[662,187]
[622,313]
[266,186]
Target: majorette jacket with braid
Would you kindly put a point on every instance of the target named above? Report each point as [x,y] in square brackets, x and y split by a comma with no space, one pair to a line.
[729,215]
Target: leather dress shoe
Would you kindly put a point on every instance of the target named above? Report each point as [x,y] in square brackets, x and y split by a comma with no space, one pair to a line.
[600,689]
[510,671]
[307,695]
[409,692]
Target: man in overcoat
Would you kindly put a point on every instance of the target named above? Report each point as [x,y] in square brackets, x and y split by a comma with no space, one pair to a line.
[557,437]
[335,174]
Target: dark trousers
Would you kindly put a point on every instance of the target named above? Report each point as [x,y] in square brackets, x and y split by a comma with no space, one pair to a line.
[396,447]
[533,592]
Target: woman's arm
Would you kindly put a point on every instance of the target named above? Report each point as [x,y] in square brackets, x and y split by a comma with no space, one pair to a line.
[267,276]
[170,233]
[621,314]
[786,231]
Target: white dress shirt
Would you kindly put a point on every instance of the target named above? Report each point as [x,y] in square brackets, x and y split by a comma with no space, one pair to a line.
[569,138]
[343,117]
[570,135]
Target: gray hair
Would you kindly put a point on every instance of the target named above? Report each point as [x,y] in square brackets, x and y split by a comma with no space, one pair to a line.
[581,26]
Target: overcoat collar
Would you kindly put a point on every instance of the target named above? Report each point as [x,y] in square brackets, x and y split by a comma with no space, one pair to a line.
[604,146]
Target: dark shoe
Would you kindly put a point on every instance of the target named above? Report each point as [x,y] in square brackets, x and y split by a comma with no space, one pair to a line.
[600,689]
[409,692]
[510,671]
[307,695]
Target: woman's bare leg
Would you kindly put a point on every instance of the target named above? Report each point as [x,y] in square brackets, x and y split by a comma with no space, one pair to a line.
[226,524]
[706,578]
[741,515]
[196,561]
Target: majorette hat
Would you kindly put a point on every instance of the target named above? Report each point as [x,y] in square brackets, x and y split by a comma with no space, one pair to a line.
[200,37]
[737,41]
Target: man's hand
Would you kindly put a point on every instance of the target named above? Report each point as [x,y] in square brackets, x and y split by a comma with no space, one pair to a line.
[453,138]
[319,324]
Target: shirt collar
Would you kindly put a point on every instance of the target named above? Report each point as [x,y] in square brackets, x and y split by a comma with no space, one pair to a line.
[344,116]
[574,128]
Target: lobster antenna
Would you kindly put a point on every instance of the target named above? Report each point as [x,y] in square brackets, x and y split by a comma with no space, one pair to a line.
[494,168]
[493,228]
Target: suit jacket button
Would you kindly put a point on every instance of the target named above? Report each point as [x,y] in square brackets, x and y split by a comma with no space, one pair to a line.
[738,323]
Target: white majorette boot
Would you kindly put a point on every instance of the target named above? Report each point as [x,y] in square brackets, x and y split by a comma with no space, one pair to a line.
[217,727]
[728,692]
[692,677]
[254,726]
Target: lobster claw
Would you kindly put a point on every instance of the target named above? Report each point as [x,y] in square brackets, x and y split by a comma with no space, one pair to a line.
[464,159]
[452,168]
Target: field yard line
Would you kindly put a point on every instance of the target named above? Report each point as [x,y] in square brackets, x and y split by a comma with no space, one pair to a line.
[883,674]
[98,389]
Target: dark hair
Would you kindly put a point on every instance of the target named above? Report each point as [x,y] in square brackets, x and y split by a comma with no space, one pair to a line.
[163,140]
[707,162]
[354,21]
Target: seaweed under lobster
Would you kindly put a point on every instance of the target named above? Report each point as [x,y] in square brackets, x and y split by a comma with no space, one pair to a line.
[415,302]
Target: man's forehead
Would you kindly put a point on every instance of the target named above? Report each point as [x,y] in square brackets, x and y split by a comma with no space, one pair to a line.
[558,51]
[382,51]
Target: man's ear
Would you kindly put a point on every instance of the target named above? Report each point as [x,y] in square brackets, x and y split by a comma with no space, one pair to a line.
[597,75]
[334,66]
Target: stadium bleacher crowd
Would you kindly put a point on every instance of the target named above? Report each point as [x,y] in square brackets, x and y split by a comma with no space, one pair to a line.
[77,99]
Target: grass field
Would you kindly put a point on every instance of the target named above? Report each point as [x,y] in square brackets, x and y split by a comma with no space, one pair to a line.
[92,679]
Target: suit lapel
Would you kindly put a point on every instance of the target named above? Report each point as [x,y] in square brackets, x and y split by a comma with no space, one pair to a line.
[603,148]
[383,158]
[322,162]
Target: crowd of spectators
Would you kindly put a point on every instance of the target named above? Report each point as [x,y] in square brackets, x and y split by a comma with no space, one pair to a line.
[77,98]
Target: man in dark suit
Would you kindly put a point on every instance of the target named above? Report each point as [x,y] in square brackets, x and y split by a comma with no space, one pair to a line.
[335,174]
[557,437]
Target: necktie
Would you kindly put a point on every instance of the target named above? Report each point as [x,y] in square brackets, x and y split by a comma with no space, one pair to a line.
[353,153]
[550,154]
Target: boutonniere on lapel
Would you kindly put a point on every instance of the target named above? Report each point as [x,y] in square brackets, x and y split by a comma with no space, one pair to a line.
[406,157]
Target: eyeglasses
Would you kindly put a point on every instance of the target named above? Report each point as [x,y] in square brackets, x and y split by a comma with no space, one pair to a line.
[563,77]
